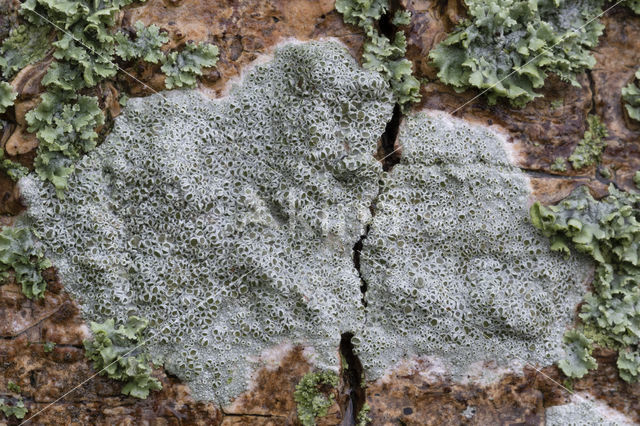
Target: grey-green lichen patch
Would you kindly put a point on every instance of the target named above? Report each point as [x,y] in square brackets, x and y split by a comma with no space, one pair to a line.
[507,47]
[584,411]
[228,224]
[453,266]
[22,255]
[120,354]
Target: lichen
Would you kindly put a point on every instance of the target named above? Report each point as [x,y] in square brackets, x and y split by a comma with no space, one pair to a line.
[48,346]
[454,269]
[229,225]
[146,46]
[380,53]
[363,419]
[25,45]
[14,170]
[608,231]
[311,396]
[631,96]
[633,5]
[579,360]
[85,47]
[507,47]
[119,353]
[559,165]
[583,411]
[17,409]
[7,96]
[65,126]
[184,66]
[19,252]
[589,149]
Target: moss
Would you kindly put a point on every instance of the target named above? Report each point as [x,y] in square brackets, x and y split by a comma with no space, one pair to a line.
[380,53]
[631,96]
[608,231]
[311,396]
[18,252]
[507,47]
[48,347]
[590,147]
[117,354]
[13,387]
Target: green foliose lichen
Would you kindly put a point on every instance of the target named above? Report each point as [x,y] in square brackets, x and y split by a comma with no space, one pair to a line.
[17,410]
[314,396]
[380,53]
[65,126]
[25,45]
[633,5]
[85,48]
[609,232]
[631,96]
[579,360]
[116,353]
[182,67]
[507,47]
[18,252]
[7,96]
[146,46]
[589,149]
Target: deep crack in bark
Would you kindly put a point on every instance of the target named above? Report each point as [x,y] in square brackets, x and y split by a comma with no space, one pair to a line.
[353,378]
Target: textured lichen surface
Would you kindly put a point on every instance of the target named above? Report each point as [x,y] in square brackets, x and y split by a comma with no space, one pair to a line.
[453,266]
[228,224]
[583,411]
[507,47]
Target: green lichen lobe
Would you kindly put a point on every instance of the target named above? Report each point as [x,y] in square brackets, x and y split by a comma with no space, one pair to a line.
[314,396]
[17,410]
[608,231]
[19,252]
[116,353]
[579,360]
[631,94]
